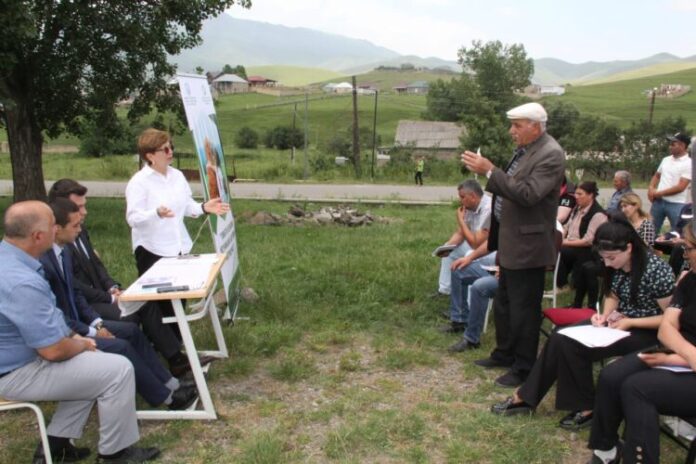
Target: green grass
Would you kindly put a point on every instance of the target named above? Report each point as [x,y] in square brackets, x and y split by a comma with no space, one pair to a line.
[623,102]
[648,71]
[385,81]
[340,360]
[292,76]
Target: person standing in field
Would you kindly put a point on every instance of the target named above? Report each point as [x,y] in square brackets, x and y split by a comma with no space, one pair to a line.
[420,167]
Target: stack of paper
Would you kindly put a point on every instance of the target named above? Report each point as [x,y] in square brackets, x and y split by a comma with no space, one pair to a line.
[594,337]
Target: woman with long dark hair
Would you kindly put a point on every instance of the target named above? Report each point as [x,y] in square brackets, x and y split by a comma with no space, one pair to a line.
[637,287]
[631,389]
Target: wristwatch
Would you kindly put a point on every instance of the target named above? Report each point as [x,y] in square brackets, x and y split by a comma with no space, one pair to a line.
[98,326]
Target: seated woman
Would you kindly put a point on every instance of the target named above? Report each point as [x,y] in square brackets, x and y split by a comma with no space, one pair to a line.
[576,249]
[638,286]
[632,207]
[631,390]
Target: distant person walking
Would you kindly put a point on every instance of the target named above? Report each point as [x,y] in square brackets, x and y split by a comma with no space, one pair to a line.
[420,167]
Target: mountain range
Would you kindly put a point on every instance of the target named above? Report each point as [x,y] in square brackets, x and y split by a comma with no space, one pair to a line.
[228,40]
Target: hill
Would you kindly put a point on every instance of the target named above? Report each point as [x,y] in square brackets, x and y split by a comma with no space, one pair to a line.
[623,102]
[228,40]
[555,71]
[385,80]
[654,70]
[293,76]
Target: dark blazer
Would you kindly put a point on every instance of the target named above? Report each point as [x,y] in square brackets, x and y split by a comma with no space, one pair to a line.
[91,277]
[525,235]
[60,287]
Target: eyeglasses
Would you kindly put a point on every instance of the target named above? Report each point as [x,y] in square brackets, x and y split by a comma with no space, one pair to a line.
[166,150]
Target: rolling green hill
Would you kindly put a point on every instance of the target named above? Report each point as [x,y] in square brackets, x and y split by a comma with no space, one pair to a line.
[293,76]
[386,80]
[648,71]
[623,102]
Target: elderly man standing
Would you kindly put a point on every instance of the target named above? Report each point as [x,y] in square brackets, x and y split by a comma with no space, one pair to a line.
[667,190]
[523,226]
[42,360]
[622,184]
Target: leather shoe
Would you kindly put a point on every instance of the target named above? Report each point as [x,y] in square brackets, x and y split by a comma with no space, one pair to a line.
[510,408]
[453,327]
[183,367]
[575,421]
[597,460]
[130,455]
[463,345]
[183,398]
[490,363]
[66,453]
[510,380]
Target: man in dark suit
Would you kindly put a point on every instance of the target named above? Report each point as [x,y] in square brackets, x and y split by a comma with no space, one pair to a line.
[525,201]
[101,291]
[153,382]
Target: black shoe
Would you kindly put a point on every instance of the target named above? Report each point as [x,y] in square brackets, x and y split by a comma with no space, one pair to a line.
[463,345]
[596,460]
[183,398]
[130,455]
[510,380]
[65,453]
[187,382]
[490,363]
[575,421]
[510,408]
[182,367]
[453,327]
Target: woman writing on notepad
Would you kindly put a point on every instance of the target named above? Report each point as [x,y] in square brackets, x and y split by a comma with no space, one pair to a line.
[631,389]
[637,287]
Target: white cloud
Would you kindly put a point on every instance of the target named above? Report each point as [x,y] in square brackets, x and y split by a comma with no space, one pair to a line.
[684,5]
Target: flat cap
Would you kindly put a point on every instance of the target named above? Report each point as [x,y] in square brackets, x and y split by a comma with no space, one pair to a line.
[531,111]
[680,137]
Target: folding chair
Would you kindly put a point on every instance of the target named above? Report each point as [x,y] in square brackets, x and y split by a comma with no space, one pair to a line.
[6,405]
[690,446]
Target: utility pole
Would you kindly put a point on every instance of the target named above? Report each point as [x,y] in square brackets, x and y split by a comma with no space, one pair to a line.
[356,131]
[305,174]
[374,137]
[652,106]
[294,117]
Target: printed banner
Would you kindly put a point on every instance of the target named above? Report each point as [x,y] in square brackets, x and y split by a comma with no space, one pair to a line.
[202,121]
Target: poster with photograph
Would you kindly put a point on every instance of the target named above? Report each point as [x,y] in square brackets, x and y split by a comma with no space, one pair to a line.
[202,122]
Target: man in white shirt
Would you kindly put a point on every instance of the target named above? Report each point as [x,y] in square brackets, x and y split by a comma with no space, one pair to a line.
[668,187]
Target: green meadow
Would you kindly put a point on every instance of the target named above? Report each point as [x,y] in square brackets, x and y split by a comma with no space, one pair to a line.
[340,359]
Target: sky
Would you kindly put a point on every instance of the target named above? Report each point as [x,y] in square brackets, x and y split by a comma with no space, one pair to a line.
[575,31]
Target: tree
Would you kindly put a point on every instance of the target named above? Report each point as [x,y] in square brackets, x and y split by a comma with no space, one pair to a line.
[63,61]
[498,70]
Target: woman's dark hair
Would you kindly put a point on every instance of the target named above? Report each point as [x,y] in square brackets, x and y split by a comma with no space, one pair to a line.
[615,235]
[589,187]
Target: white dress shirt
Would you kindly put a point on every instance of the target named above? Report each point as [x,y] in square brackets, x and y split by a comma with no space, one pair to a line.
[146,191]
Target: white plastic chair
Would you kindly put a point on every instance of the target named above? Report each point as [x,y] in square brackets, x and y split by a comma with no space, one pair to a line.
[6,405]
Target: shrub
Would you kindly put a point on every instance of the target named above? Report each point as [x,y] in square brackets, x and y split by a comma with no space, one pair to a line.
[283,138]
[247,138]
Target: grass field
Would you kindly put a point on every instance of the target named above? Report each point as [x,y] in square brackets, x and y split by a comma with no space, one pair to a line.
[292,75]
[648,71]
[623,102]
[384,81]
[340,360]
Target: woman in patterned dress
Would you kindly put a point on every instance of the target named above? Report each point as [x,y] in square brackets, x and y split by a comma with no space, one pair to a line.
[637,288]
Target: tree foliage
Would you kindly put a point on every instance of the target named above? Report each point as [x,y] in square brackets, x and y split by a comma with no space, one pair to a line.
[247,137]
[284,138]
[64,61]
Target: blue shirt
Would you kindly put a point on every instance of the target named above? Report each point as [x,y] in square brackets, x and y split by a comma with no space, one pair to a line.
[29,318]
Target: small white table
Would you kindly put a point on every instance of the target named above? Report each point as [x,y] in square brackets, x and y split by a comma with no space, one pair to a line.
[206,307]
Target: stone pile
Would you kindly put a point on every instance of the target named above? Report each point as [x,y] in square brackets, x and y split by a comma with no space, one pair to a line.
[341,215]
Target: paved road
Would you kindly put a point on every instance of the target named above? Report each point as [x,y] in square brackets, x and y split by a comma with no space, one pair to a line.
[367,193]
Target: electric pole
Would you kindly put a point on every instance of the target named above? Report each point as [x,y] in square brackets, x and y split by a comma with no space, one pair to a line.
[356,131]
[374,136]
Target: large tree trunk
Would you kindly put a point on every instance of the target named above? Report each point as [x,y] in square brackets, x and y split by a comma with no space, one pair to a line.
[25,140]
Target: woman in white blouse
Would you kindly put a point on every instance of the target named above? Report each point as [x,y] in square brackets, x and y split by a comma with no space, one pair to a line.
[158,198]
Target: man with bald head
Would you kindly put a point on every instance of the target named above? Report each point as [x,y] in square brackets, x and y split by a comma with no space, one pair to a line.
[42,360]
[523,225]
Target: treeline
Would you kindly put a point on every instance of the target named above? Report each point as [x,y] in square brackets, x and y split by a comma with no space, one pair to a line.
[494,73]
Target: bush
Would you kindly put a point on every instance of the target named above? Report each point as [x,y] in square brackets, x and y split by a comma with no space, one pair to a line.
[98,141]
[247,138]
[283,138]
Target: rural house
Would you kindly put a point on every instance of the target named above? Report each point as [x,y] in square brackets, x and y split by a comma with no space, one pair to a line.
[430,137]
[230,83]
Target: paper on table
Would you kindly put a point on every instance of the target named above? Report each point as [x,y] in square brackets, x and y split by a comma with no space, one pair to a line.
[191,271]
[594,337]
